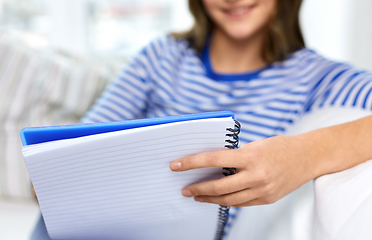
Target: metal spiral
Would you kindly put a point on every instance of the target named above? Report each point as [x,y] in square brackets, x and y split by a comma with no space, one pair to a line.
[234,134]
[223,213]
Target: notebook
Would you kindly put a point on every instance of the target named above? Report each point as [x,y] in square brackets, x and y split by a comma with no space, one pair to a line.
[112,180]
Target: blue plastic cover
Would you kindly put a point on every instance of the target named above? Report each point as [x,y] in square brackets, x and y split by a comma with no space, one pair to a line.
[34,135]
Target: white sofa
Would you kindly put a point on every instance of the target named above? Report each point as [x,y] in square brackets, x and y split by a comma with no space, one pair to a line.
[39,87]
[17,218]
[332,207]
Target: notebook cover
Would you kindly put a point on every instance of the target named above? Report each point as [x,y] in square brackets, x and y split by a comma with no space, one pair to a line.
[35,135]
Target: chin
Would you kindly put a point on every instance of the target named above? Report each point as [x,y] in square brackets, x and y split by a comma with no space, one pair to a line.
[239,34]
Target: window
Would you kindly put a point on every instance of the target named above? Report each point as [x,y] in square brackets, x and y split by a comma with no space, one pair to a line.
[93,27]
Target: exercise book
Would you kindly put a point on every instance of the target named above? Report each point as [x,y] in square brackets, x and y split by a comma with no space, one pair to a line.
[113,181]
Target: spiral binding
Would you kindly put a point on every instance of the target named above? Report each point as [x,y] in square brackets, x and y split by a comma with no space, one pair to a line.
[223,213]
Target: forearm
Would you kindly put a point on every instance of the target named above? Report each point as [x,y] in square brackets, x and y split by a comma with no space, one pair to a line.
[339,147]
[269,169]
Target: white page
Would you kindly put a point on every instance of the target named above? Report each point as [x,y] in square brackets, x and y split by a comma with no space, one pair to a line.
[118,185]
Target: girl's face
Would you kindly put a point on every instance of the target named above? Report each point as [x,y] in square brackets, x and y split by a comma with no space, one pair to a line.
[241,19]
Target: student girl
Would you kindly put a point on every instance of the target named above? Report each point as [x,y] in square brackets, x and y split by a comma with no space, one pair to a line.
[247,56]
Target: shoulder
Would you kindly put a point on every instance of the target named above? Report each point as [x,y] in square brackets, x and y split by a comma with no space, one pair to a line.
[306,59]
[163,57]
[167,44]
[166,55]
[307,64]
[316,62]
[339,71]
[332,83]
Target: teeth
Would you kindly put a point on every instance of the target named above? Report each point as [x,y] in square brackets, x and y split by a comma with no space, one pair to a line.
[238,11]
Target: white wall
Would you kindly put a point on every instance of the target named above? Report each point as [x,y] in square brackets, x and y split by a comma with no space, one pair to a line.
[69,25]
[361,33]
[181,17]
[339,29]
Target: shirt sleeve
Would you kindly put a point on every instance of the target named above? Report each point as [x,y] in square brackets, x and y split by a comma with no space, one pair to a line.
[126,96]
[343,86]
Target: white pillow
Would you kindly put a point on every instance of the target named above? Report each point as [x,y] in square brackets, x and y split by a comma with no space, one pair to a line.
[39,88]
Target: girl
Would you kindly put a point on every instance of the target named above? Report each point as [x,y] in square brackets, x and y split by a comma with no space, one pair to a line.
[247,56]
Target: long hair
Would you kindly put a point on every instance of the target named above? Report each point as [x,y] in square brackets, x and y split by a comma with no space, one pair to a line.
[284,36]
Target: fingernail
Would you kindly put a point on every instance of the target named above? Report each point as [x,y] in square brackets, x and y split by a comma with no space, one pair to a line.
[175,165]
[198,199]
[186,193]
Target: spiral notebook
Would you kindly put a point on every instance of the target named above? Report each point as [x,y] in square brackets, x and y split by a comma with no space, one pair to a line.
[112,180]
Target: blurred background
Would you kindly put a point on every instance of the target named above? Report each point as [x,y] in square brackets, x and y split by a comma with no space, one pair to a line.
[102,28]
[49,45]
[337,29]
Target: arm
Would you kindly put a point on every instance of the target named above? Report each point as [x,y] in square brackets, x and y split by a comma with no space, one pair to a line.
[126,97]
[271,168]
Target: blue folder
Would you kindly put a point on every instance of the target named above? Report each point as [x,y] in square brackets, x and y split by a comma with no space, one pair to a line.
[34,135]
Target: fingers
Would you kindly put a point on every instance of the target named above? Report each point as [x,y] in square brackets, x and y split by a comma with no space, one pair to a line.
[33,192]
[222,158]
[218,187]
[244,198]
[253,202]
[234,199]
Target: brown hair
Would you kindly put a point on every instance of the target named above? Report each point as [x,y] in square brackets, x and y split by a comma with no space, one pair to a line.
[284,35]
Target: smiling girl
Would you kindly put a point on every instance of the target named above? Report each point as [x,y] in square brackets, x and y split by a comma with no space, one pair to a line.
[247,56]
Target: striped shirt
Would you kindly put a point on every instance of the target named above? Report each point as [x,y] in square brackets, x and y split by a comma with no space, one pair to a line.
[169,78]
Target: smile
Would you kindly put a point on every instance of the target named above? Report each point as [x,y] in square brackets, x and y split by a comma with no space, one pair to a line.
[238,12]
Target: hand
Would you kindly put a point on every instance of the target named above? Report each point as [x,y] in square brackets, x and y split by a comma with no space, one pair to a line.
[267,170]
[33,192]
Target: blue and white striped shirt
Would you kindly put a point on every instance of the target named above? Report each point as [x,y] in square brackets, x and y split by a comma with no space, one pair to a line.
[169,78]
